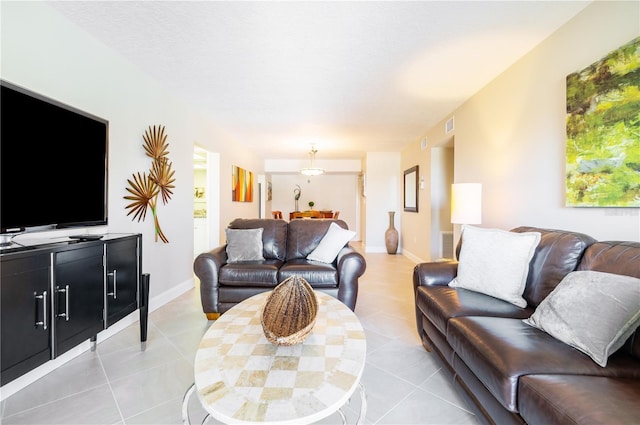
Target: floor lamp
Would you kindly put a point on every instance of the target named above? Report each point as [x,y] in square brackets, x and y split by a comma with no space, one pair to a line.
[466,203]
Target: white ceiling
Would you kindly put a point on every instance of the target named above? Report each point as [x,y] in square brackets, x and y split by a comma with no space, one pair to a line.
[349,77]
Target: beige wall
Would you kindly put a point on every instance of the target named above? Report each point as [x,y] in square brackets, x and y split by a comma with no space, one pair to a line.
[414,234]
[384,194]
[510,136]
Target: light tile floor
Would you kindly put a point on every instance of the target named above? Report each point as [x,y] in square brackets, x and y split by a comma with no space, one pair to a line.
[120,384]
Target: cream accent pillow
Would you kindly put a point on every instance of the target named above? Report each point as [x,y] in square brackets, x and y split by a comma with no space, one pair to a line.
[495,262]
[594,312]
[331,244]
[244,245]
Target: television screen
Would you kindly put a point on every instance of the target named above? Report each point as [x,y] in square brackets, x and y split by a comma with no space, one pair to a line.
[53,163]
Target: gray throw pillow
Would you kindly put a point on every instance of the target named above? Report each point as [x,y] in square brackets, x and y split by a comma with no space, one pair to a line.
[495,262]
[594,312]
[244,245]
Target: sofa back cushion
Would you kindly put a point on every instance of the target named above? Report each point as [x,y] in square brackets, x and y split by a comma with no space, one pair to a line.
[620,258]
[558,253]
[304,235]
[274,235]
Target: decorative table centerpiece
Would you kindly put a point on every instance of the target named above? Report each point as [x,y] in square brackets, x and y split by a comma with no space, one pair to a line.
[289,312]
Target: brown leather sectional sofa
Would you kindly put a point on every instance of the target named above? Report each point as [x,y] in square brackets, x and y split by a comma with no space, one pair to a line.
[285,249]
[512,373]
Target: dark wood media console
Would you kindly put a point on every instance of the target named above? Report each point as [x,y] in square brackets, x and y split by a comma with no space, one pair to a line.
[54,296]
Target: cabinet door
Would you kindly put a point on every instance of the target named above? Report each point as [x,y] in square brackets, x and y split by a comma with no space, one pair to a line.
[25,315]
[122,278]
[78,296]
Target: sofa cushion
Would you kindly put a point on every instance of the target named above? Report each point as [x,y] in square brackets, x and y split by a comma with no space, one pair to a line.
[558,253]
[274,235]
[495,262]
[562,399]
[331,243]
[594,312]
[304,235]
[613,257]
[254,273]
[318,274]
[501,350]
[440,303]
[244,245]
[621,258]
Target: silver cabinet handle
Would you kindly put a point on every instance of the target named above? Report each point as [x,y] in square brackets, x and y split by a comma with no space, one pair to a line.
[114,294]
[44,322]
[64,290]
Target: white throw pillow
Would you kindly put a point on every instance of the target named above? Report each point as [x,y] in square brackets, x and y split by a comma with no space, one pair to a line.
[331,244]
[594,312]
[244,245]
[495,262]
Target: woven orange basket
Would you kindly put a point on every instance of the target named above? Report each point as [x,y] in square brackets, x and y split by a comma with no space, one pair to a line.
[289,312]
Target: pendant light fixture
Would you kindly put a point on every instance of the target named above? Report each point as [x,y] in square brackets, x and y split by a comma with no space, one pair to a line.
[312,170]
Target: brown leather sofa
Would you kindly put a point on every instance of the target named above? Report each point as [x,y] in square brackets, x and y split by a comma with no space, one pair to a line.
[512,373]
[285,248]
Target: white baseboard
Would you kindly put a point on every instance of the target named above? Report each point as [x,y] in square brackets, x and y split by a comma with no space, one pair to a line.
[413,257]
[37,373]
[379,249]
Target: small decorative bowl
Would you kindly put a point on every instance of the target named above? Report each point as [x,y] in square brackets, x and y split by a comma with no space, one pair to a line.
[289,312]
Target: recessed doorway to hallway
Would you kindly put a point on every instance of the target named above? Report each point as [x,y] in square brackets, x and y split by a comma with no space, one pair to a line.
[442,158]
[206,200]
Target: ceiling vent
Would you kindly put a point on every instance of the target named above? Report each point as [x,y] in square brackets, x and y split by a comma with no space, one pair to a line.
[448,126]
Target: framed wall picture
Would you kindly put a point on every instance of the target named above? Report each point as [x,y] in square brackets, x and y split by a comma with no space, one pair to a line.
[411,189]
[603,131]
[242,184]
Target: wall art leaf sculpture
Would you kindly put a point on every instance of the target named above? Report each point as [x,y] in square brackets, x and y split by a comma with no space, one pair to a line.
[145,188]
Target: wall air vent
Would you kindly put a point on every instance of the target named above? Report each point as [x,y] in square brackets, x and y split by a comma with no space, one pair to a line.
[446,245]
[448,126]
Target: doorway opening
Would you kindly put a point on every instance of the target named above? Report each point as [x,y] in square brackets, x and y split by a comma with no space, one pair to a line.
[206,200]
[442,160]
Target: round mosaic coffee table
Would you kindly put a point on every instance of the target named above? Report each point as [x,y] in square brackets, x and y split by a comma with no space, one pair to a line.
[240,377]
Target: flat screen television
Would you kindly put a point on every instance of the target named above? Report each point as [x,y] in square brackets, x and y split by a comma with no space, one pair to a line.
[53,163]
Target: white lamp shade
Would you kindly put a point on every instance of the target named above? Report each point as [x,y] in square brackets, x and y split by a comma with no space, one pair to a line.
[466,203]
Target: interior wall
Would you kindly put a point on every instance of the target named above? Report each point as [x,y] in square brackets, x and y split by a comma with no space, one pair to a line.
[510,136]
[384,194]
[44,52]
[415,236]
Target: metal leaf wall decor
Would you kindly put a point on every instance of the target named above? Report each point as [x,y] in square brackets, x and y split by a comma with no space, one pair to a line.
[145,188]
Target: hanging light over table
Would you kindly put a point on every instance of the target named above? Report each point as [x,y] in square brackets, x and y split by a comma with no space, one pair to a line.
[312,170]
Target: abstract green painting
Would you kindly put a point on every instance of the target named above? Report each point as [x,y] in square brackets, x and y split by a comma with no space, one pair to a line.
[603,131]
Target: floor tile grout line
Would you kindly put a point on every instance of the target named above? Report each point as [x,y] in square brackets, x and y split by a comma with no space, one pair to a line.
[159,366]
[90,388]
[113,394]
[109,379]
[167,337]
[395,406]
[447,401]
[52,401]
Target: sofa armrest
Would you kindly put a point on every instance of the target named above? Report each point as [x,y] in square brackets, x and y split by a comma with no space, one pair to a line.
[351,265]
[207,267]
[438,273]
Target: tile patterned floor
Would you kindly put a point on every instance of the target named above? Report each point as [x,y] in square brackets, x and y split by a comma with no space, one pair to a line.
[120,384]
